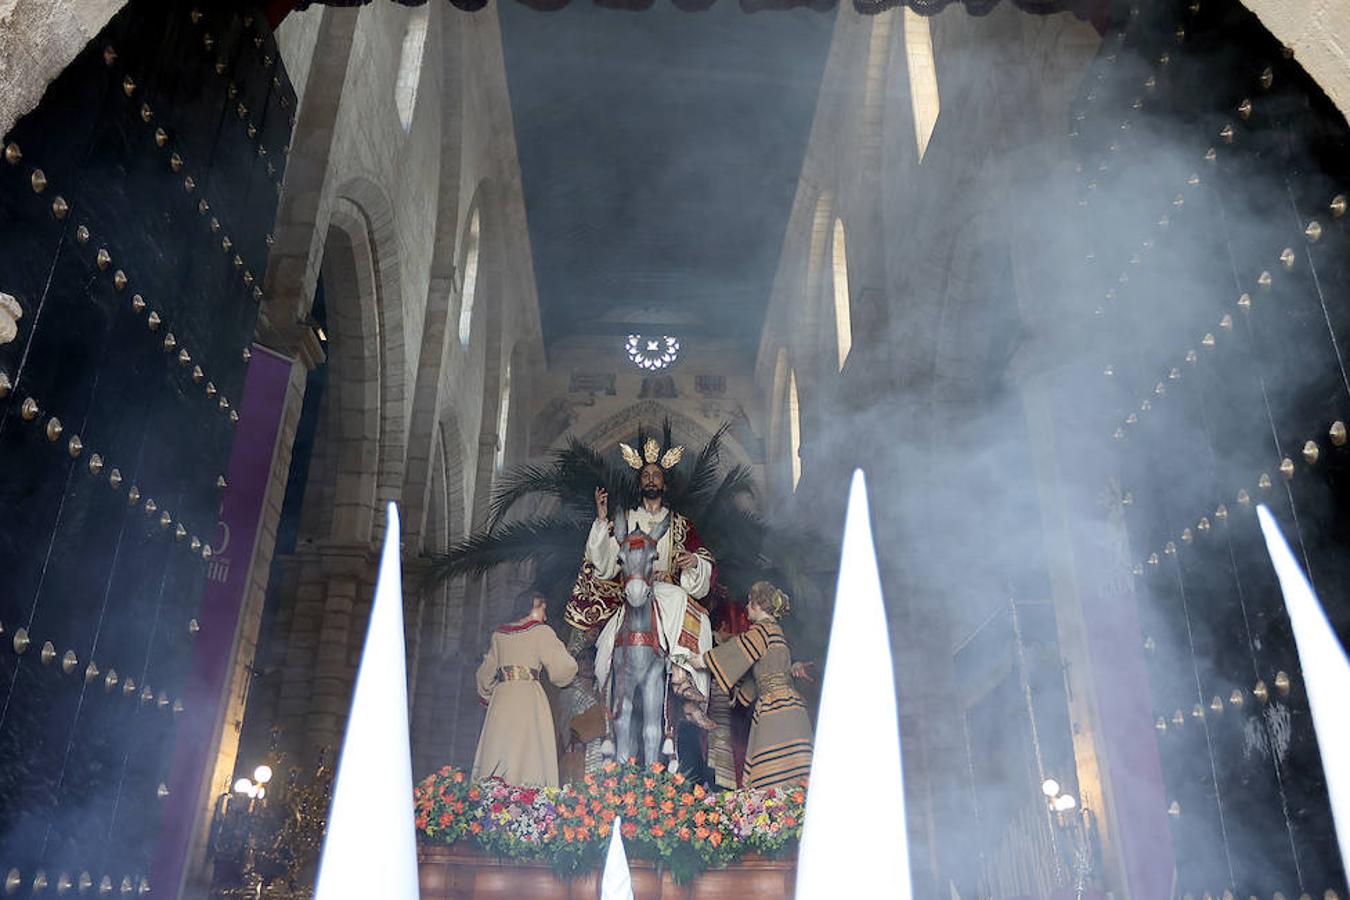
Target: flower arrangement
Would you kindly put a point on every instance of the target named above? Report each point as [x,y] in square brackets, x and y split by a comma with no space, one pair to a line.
[665,818]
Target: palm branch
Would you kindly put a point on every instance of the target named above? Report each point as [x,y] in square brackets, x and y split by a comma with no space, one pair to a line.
[746,547]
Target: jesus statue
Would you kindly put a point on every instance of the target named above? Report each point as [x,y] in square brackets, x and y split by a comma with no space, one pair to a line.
[683,574]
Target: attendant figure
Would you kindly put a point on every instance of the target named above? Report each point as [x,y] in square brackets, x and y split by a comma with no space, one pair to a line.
[518,743]
[756,668]
[584,724]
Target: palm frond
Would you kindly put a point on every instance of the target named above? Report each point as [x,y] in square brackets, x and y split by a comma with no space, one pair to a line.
[736,483]
[512,542]
[521,482]
[703,475]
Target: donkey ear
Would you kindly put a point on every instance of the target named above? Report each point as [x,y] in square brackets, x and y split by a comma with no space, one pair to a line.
[660,530]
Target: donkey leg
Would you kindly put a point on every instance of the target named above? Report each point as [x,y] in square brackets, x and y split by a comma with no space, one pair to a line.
[623,712]
[653,709]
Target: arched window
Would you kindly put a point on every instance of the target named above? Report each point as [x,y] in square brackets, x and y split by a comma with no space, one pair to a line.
[923,86]
[794,429]
[843,321]
[503,414]
[470,281]
[410,64]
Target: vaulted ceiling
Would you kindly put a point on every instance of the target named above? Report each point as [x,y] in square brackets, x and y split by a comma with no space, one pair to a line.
[660,153]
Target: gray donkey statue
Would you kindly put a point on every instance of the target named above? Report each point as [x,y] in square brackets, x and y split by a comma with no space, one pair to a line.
[639,662]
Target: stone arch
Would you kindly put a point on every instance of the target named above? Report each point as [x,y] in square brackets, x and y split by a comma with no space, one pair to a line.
[816,325]
[486,333]
[437,679]
[622,425]
[341,494]
[361,201]
[410,64]
[441,314]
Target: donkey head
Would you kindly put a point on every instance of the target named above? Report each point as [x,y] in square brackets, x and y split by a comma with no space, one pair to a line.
[637,556]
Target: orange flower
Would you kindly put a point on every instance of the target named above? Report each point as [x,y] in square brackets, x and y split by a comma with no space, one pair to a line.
[595,805]
[458,777]
[658,831]
[649,783]
[630,797]
[583,834]
[687,799]
[700,817]
[569,833]
[475,827]
[648,800]
[715,838]
[474,793]
[629,829]
[446,819]
[607,767]
[701,833]
[789,821]
[459,806]
[587,820]
[669,822]
[683,833]
[798,796]
[590,779]
[678,778]
[714,816]
[658,768]
[604,829]
[667,806]
[699,792]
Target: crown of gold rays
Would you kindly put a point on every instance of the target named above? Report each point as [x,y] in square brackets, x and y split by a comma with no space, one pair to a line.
[651,455]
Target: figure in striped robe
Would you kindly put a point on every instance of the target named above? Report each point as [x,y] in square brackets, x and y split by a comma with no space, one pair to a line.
[756,668]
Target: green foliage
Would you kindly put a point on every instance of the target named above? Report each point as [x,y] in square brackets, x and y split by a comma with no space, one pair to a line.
[720,504]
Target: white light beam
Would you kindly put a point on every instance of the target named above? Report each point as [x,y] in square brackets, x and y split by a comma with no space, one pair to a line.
[617,881]
[1326,674]
[854,842]
[371,845]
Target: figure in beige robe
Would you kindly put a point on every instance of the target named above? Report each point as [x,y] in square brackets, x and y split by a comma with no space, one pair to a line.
[518,743]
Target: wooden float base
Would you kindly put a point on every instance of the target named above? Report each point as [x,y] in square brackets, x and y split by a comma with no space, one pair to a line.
[451,873]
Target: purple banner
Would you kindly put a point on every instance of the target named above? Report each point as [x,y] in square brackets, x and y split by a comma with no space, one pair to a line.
[260,415]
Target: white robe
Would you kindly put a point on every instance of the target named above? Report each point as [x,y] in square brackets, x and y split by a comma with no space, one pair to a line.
[602,551]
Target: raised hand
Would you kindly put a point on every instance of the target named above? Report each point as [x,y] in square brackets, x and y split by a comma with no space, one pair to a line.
[802,671]
[601,503]
[685,560]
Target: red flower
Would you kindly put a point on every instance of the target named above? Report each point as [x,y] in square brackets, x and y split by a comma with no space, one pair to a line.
[475,827]
[629,829]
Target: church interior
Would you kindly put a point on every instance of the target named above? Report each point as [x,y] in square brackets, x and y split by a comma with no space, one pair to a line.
[1067,280]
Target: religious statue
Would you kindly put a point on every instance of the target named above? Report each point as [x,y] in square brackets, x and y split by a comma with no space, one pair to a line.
[756,668]
[517,743]
[641,579]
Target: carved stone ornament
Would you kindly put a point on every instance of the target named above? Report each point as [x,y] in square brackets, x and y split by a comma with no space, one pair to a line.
[10,314]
